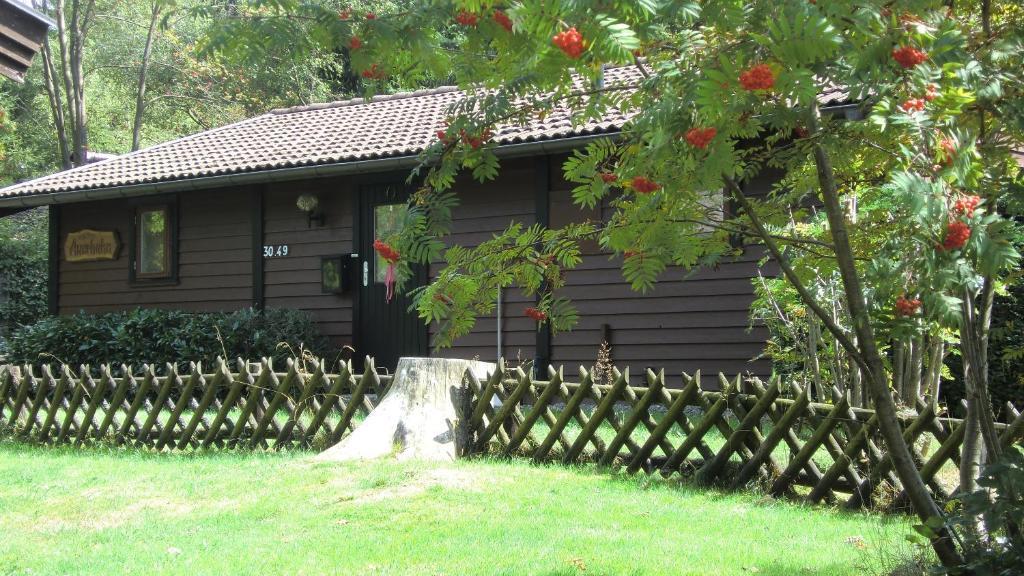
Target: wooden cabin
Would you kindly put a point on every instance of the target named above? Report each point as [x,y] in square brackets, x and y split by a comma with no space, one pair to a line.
[22,34]
[212,222]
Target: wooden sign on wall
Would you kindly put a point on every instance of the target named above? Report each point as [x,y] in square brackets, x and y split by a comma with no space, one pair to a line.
[91,245]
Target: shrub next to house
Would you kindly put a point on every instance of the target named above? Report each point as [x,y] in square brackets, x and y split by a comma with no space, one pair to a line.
[142,336]
[23,267]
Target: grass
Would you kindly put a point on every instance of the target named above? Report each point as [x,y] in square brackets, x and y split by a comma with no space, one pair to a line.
[105,511]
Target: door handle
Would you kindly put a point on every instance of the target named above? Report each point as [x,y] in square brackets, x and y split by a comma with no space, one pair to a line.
[366,273]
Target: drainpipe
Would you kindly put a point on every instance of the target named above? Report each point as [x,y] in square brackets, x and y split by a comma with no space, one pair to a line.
[500,347]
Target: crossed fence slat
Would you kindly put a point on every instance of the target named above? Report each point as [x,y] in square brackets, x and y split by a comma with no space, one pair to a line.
[58,395]
[331,399]
[21,395]
[668,420]
[713,467]
[220,376]
[775,437]
[252,406]
[864,491]
[568,412]
[116,402]
[42,387]
[731,435]
[713,413]
[640,410]
[538,408]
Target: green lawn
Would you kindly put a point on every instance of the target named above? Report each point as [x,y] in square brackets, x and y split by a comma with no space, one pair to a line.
[100,511]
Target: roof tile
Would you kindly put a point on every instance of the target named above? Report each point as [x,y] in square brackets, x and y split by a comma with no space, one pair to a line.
[386,126]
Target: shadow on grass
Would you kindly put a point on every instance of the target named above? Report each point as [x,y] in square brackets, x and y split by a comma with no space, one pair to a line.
[777,568]
[390,475]
[113,450]
[685,485]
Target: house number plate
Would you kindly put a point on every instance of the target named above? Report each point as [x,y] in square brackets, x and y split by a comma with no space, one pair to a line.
[275,251]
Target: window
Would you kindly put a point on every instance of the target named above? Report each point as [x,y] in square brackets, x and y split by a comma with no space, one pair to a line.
[713,209]
[388,219]
[154,227]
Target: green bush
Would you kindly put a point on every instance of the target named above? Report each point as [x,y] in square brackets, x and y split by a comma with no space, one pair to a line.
[1006,355]
[157,337]
[23,269]
[998,548]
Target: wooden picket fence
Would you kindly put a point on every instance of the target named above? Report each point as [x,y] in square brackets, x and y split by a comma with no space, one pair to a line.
[254,406]
[740,432]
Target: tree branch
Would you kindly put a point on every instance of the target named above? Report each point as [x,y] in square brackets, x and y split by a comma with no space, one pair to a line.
[787,270]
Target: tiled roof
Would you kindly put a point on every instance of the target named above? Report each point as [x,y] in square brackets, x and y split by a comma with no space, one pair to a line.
[347,131]
[337,133]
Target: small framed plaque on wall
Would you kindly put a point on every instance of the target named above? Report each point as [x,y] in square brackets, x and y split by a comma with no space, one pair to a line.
[91,245]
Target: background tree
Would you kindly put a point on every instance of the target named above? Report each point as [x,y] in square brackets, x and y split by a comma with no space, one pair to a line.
[120,75]
[23,266]
[142,79]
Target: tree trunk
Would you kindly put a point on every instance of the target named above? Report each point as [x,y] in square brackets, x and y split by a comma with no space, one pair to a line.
[72,30]
[65,63]
[898,363]
[972,453]
[815,367]
[419,418]
[865,353]
[913,389]
[875,375]
[140,93]
[981,441]
[80,135]
[56,106]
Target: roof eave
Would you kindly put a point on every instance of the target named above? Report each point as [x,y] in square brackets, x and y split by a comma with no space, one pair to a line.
[31,13]
[283,174]
[851,111]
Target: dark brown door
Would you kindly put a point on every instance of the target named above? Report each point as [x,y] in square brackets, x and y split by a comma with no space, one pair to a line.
[387,330]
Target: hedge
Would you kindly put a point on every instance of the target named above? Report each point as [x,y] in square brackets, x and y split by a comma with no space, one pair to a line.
[151,336]
[1006,355]
[23,269]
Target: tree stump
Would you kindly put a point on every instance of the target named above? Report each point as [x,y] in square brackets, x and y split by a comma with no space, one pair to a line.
[419,417]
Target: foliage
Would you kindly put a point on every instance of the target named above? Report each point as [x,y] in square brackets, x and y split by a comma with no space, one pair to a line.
[896,166]
[159,336]
[186,90]
[1006,367]
[928,183]
[778,308]
[996,548]
[316,37]
[23,269]
[1006,362]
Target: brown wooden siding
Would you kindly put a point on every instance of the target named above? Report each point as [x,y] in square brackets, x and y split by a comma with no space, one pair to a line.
[214,262]
[293,281]
[691,320]
[486,209]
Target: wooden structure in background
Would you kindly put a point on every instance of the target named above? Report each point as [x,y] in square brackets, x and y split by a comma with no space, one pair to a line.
[22,33]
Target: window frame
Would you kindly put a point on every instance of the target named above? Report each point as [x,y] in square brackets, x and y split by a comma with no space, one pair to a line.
[170,274]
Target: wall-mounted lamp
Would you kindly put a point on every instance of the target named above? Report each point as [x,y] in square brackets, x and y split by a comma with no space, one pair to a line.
[310,204]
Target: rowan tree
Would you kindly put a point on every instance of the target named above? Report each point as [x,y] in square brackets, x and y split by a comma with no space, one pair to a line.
[903,193]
